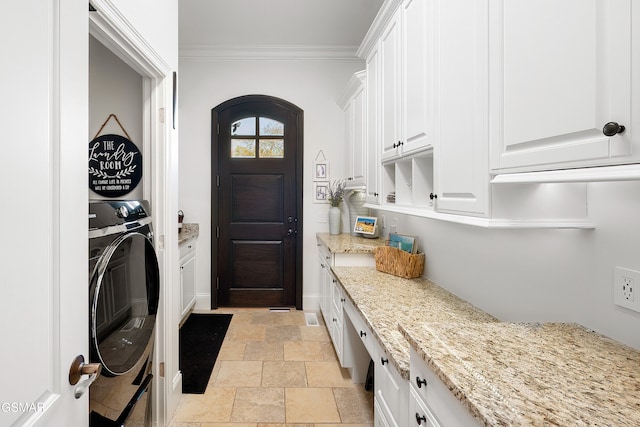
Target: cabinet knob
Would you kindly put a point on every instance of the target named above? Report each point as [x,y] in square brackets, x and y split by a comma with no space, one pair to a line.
[342,299]
[420,419]
[433,196]
[420,382]
[384,361]
[612,128]
[375,194]
[363,334]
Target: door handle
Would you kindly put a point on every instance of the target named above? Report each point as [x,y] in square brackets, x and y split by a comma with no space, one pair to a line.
[78,369]
[291,232]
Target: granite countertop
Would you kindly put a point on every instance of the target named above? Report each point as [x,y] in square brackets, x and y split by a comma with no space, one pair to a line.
[187,232]
[348,244]
[550,374]
[385,301]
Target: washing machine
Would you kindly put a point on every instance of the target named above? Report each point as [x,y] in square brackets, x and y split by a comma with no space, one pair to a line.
[124,289]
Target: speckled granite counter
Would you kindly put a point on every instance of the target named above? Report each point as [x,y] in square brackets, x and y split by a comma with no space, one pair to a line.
[533,374]
[345,243]
[384,301]
[188,231]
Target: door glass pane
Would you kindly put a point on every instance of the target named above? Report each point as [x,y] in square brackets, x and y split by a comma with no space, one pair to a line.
[243,148]
[271,127]
[272,148]
[245,126]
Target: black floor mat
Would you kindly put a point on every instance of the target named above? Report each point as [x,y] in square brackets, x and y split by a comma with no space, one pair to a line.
[201,337]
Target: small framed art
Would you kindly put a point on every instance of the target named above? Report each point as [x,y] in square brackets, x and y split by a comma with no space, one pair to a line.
[321,192]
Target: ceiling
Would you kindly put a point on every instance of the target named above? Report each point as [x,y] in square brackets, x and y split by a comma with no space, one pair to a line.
[312,24]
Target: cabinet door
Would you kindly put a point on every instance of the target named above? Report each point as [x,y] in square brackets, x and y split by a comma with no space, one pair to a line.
[390,88]
[188,283]
[324,281]
[561,69]
[373,127]
[461,160]
[417,76]
[358,151]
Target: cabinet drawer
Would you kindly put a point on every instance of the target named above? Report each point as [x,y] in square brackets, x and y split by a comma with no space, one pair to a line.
[363,331]
[187,248]
[437,396]
[325,255]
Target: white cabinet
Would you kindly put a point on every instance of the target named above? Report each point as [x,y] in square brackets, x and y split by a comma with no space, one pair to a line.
[331,295]
[373,127]
[187,276]
[391,391]
[556,82]
[461,152]
[353,102]
[431,398]
[405,76]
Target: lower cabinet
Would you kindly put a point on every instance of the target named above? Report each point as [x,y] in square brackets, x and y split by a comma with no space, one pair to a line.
[430,398]
[187,277]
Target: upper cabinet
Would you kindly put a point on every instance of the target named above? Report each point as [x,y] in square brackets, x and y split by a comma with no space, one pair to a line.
[353,102]
[461,148]
[563,74]
[404,61]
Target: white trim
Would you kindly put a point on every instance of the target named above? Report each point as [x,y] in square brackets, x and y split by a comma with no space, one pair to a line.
[198,52]
[554,223]
[592,174]
[384,15]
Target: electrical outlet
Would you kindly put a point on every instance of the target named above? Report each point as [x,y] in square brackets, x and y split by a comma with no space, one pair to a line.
[627,288]
[624,283]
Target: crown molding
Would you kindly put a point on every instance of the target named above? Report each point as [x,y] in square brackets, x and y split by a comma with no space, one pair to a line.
[268,53]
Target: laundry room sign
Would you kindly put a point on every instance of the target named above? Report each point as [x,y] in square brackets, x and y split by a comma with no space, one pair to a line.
[115,165]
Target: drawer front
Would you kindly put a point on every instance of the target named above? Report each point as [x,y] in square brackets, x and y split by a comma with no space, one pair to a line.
[325,254]
[437,396]
[187,248]
[363,331]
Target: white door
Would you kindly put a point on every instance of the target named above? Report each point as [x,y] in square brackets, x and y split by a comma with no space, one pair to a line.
[43,263]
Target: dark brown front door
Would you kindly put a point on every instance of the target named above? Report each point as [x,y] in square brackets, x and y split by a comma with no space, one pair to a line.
[257,184]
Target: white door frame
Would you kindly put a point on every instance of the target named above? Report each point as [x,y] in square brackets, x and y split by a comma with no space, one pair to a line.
[108,26]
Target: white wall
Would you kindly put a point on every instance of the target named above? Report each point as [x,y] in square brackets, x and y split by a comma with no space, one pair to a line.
[115,88]
[541,275]
[313,86]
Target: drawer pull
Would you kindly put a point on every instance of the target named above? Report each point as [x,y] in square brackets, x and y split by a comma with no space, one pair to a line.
[420,419]
[363,334]
[343,299]
[420,382]
[335,320]
[383,360]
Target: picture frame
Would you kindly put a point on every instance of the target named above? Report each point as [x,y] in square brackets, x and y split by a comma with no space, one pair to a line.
[365,225]
[403,242]
[321,192]
[321,170]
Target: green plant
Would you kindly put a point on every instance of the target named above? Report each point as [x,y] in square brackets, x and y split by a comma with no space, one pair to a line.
[336,192]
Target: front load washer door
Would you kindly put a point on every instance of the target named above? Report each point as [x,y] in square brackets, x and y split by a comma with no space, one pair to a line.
[124,302]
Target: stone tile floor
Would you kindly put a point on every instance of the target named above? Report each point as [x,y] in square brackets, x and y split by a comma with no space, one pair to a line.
[275,371]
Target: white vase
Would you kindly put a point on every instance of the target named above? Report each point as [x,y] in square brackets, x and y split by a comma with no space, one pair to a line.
[334,220]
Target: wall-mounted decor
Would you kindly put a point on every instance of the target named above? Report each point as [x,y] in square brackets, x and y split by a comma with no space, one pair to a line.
[321,192]
[320,168]
[115,163]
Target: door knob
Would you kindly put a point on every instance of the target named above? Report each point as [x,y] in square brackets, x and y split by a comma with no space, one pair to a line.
[612,128]
[78,369]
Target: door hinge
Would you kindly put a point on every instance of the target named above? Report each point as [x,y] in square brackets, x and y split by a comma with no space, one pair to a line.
[217,283]
[217,232]
[218,128]
[217,180]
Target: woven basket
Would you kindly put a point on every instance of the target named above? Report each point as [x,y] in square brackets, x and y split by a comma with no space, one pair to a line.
[398,262]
